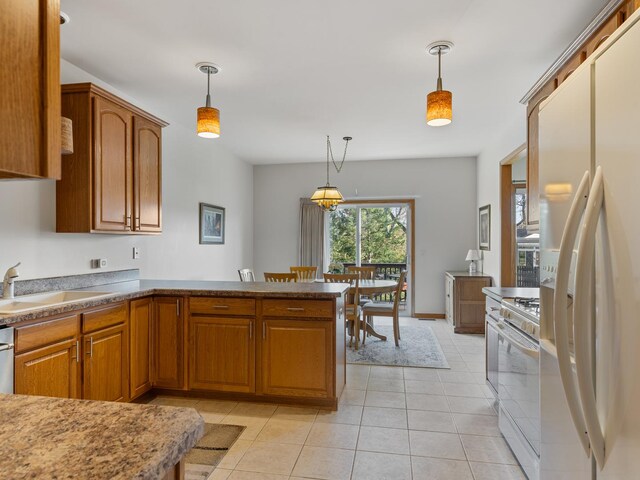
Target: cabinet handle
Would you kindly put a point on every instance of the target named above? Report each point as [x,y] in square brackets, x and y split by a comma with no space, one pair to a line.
[264,331]
[127,222]
[178,307]
[250,330]
[77,351]
[137,225]
[221,307]
[295,309]
[90,352]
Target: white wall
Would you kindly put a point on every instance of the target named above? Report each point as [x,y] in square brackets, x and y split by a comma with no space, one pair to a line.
[445,191]
[489,188]
[194,170]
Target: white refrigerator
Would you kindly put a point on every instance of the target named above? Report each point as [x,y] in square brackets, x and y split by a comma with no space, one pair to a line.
[590,267]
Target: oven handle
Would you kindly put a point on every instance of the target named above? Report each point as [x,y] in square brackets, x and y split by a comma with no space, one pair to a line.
[6,346]
[529,351]
[581,320]
[560,306]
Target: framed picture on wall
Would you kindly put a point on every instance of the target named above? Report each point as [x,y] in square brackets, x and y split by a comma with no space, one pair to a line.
[211,224]
[484,227]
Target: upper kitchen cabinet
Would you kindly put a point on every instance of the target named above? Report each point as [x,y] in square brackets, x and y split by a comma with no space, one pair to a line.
[112,181]
[30,93]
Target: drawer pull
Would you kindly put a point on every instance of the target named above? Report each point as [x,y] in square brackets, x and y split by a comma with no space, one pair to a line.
[221,307]
[77,351]
[295,309]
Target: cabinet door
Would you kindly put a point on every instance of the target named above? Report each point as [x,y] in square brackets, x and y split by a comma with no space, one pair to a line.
[168,343]
[112,182]
[106,365]
[30,93]
[222,354]
[147,176]
[141,314]
[297,358]
[50,371]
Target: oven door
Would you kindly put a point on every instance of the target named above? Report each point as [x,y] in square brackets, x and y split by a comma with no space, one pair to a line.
[519,381]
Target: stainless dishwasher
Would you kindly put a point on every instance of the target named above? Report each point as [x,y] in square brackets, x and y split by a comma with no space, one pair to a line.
[6,360]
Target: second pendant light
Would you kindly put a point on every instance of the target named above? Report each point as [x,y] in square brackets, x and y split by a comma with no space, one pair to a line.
[208,117]
[439,102]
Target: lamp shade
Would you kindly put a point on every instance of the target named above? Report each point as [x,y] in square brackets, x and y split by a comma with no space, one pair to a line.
[439,108]
[327,197]
[66,143]
[208,122]
[473,255]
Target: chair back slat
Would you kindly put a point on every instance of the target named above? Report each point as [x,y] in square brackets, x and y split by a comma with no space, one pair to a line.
[246,275]
[305,274]
[366,273]
[353,297]
[280,277]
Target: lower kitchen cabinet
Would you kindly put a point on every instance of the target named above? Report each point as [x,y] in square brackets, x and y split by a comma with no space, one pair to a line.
[465,301]
[106,365]
[140,320]
[168,343]
[50,371]
[297,358]
[222,354]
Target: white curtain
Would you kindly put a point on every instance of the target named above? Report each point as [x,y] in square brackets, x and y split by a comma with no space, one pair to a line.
[311,239]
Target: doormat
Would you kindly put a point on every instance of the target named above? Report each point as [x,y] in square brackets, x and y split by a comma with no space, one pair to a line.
[210,449]
[419,347]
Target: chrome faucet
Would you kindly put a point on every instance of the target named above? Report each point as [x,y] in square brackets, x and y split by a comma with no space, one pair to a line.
[7,284]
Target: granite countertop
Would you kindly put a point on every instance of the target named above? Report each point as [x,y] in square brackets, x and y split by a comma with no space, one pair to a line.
[45,437]
[498,293]
[142,288]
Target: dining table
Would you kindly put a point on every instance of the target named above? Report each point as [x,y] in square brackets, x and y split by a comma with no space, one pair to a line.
[371,287]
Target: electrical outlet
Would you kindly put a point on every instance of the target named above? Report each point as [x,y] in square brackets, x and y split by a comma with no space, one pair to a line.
[103,263]
[136,253]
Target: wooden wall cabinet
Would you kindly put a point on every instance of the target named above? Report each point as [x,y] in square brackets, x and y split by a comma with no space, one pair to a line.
[168,343]
[112,183]
[105,372]
[30,93]
[140,322]
[468,301]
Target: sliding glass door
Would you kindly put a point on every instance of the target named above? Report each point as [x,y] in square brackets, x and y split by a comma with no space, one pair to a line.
[371,234]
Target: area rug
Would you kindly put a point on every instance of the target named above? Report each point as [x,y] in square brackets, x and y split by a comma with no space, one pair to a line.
[419,347]
[208,452]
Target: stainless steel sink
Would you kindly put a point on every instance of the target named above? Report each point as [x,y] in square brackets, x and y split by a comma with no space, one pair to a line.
[43,300]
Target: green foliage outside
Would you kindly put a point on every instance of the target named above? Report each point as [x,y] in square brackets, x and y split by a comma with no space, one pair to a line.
[383,231]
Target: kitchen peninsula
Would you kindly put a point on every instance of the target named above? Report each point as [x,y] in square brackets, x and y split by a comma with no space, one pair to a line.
[268,342]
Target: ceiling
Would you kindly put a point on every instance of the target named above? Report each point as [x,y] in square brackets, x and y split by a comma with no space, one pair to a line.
[294,71]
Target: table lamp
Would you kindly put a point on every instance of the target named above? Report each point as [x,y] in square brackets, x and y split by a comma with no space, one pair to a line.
[473,256]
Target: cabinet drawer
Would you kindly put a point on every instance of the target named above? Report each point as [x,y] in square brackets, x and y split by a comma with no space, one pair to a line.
[104,317]
[298,308]
[46,333]
[222,306]
[492,306]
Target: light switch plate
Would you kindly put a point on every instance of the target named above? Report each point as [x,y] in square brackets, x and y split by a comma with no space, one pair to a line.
[136,253]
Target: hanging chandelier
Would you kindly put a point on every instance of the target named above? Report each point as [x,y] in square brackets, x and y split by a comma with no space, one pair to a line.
[328,197]
[208,125]
[439,110]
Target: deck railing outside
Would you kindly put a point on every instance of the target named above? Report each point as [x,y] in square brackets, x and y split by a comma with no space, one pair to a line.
[385,271]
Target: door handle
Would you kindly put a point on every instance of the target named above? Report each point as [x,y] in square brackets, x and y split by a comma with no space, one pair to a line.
[90,352]
[137,224]
[264,331]
[560,309]
[6,346]
[250,330]
[127,222]
[177,307]
[581,322]
[77,351]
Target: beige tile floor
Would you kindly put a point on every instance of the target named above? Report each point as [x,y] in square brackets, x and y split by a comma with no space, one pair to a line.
[392,423]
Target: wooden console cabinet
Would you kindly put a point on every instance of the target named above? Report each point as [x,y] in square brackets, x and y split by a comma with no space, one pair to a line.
[112,183]
[464,301]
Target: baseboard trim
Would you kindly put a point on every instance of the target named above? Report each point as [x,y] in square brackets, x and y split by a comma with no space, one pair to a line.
[429,315]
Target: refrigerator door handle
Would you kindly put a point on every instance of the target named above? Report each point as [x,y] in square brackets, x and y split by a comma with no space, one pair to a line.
[560,309]
[581,323]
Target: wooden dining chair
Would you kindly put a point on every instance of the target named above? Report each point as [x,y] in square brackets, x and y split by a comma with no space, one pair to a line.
[386,309]
[305,274]
[366,273]
[352,306]
[280,277]
[246,275]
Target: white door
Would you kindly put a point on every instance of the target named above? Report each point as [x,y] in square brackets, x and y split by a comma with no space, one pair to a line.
[565,157]
[617,152]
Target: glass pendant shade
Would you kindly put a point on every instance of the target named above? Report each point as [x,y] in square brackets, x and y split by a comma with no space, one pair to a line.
[439,111]
[327,197]
[208,122]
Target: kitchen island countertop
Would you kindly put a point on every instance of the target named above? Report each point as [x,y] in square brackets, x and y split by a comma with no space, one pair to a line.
[44,437]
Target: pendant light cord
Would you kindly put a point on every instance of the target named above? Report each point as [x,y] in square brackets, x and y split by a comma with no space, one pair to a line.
[208,103]
[330,152]
[439,83]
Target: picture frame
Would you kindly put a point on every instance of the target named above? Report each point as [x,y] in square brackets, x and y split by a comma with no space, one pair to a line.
[484,227]
[212,224]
